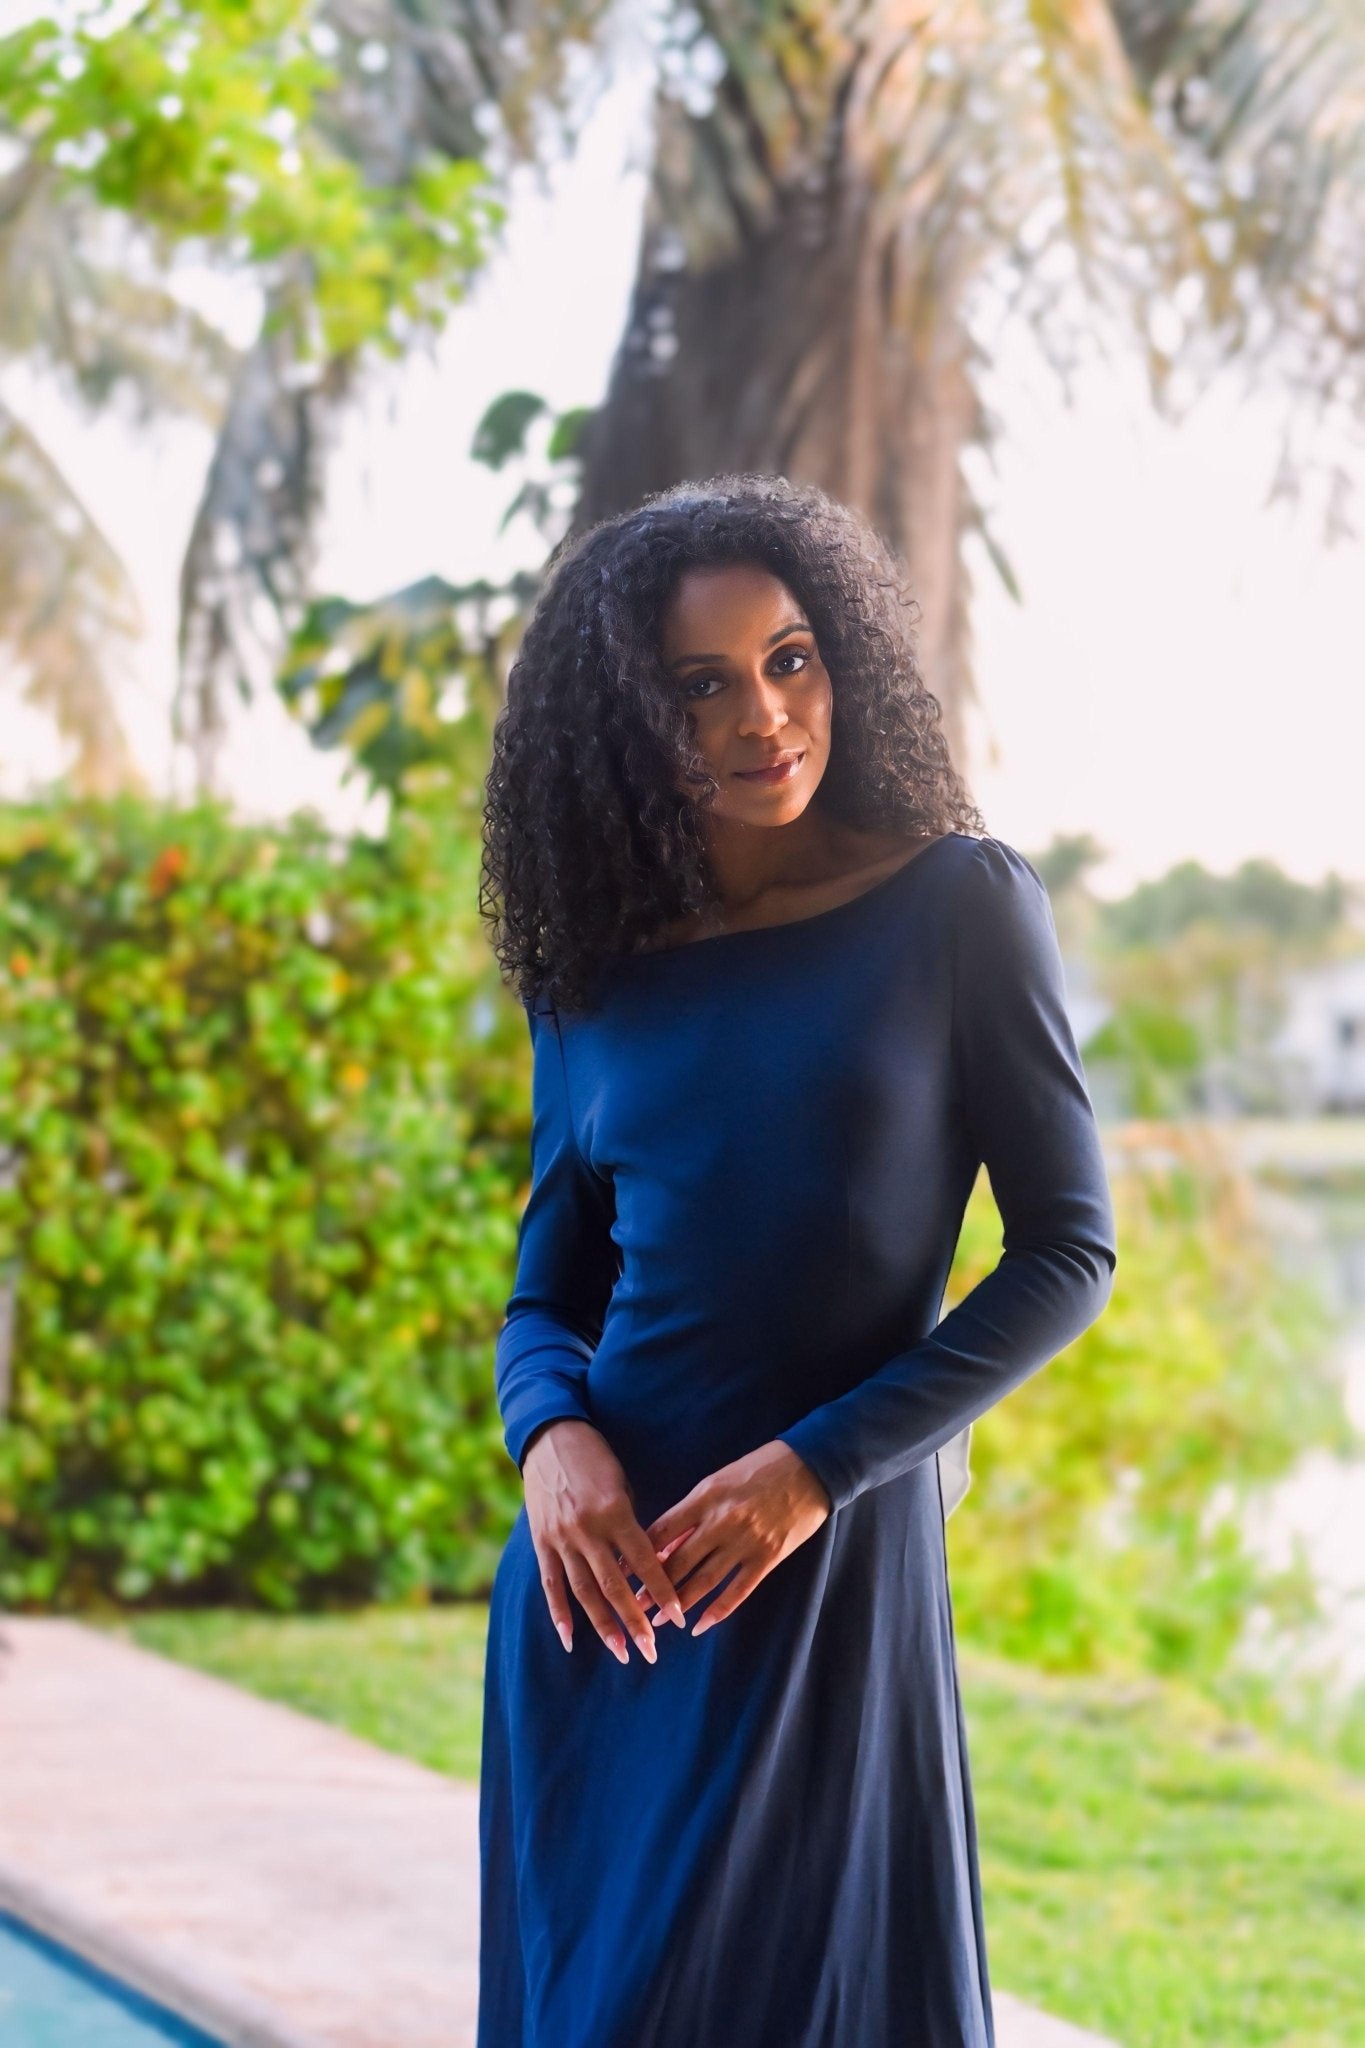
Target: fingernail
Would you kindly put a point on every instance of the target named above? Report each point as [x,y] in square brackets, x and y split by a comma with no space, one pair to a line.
[619,1648]
[649,1652]
[565,1634]
[679,1617]
[702,1625]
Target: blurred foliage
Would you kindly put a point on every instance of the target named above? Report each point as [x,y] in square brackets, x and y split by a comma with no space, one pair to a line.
[1104,1529]
[1065,861]
[263,1125]
[1202,1006]
[409,683]
[216,124]
[1197,970]
[1159,1052]
[255,140]
[334,172]
[264,1128]
[1258,897]
[391,681]
[549,487]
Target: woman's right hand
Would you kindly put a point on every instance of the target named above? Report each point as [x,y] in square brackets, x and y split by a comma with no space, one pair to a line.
[582,1516]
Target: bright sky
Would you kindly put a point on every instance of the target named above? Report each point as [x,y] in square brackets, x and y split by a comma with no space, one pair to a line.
[1184,678]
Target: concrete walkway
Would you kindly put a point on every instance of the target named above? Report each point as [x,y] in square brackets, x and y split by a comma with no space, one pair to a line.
[280,1882]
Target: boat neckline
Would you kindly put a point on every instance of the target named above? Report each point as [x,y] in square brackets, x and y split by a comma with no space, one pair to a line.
[755,931]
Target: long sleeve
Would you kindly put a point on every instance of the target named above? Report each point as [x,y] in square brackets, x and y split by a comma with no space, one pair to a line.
[567,1263]
[1020,1087]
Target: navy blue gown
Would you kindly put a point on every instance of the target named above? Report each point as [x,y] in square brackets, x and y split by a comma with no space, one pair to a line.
[749,1169]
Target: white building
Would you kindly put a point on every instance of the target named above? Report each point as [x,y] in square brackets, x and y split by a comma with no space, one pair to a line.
[1320,1047]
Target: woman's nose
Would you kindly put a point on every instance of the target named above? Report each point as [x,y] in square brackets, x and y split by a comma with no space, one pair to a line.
[763,708]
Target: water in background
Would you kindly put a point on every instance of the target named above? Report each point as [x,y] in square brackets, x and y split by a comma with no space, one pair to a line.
[50,1998]
[1320,1505]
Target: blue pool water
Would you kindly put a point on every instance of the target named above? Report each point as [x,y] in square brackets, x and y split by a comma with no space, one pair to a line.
[50,1998]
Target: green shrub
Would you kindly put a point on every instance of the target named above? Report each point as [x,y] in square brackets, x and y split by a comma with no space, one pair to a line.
[264,1123]
[263,1112]
[1105,1526]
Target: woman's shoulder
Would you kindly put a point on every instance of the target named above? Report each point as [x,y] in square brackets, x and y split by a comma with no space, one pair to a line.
[979,885]
[991,862]
[1002,919]
[995,867]
[957,867]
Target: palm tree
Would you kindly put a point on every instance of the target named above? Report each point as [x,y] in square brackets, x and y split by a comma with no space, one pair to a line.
[462,79]
[844,198]
[67,607]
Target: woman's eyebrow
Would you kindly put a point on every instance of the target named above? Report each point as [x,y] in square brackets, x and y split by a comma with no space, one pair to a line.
[793,626]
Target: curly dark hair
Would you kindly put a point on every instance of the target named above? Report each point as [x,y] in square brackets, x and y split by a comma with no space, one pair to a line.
[588,840]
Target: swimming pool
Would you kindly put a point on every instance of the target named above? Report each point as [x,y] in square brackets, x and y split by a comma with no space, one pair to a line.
[52,1998]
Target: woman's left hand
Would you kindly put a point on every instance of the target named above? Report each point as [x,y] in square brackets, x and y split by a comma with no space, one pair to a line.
[751,1513]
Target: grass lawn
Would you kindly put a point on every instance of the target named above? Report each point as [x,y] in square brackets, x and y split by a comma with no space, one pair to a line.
[1150,1869]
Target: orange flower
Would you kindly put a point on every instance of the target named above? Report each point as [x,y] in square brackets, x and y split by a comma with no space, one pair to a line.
[169,865]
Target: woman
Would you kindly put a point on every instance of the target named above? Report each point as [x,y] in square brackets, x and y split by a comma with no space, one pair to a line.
[783,1004]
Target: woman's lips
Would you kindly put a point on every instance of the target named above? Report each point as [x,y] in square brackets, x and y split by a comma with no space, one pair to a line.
[781,771]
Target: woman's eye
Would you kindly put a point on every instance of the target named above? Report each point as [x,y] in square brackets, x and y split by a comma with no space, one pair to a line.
[796,654]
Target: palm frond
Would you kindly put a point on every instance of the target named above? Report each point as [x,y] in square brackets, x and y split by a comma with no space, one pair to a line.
[67,609]
[1265,102]
[82,294]
[462,77]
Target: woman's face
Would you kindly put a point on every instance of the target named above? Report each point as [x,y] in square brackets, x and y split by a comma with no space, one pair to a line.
[741,655]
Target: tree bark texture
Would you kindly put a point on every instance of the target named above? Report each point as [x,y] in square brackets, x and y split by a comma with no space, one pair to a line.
[798,310]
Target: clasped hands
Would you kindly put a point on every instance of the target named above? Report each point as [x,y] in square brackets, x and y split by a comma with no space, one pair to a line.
[748,1514]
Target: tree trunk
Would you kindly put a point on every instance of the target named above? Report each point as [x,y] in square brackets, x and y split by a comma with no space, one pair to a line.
[804,323]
